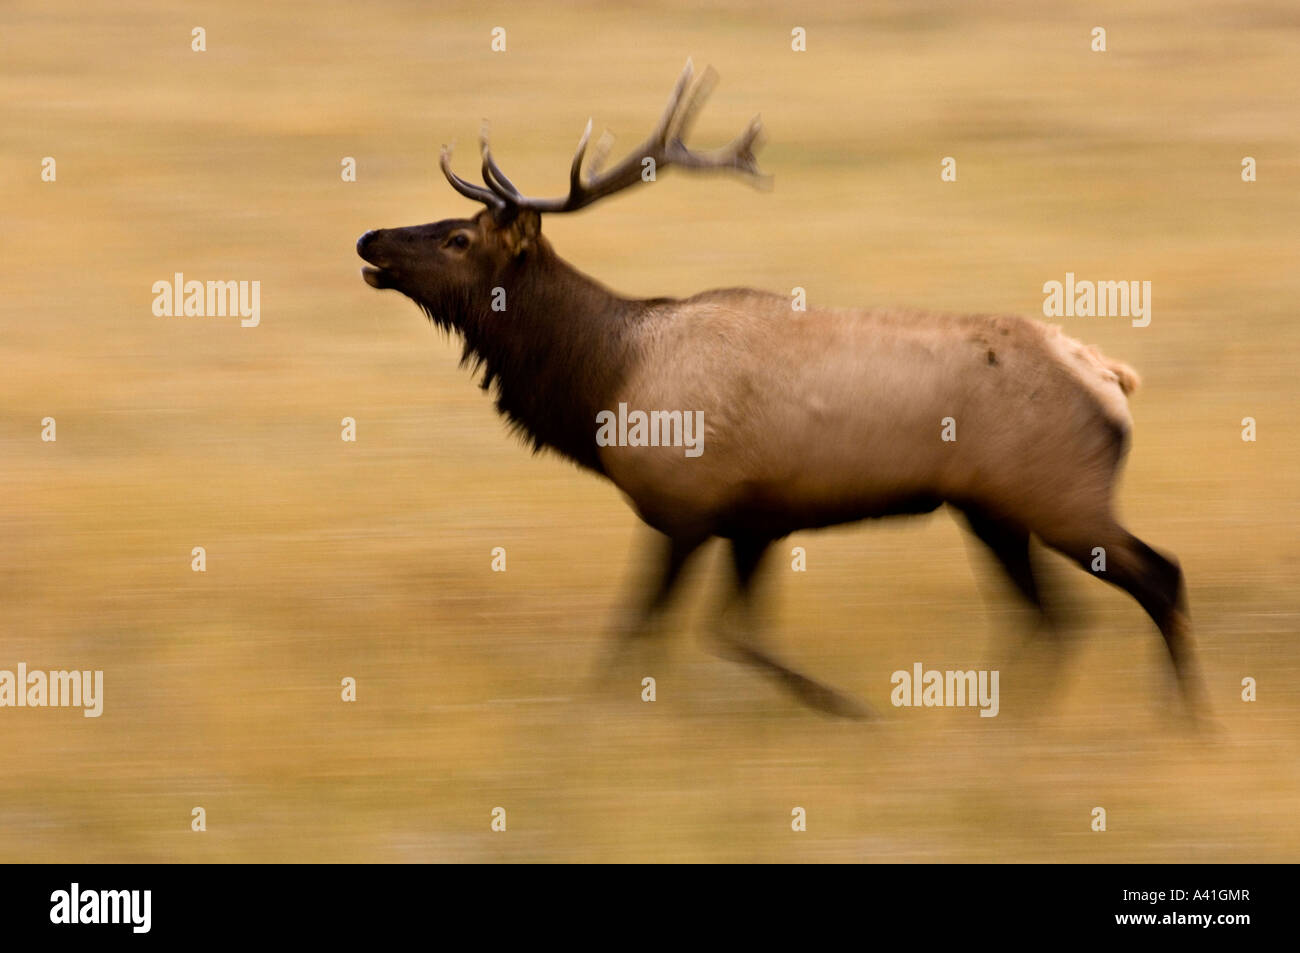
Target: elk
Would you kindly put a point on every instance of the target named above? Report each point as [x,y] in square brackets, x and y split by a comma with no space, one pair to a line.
[810,418]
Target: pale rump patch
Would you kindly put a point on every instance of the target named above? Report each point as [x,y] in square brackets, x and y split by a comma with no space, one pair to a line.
[1096,372]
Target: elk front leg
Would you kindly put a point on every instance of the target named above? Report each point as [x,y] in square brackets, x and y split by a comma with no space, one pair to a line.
[739,639]
[651,597]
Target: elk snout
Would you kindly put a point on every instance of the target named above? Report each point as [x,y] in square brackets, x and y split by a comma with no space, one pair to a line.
[365,240]
[370,247]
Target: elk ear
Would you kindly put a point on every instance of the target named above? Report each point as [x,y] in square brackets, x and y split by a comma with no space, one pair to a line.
[521,233]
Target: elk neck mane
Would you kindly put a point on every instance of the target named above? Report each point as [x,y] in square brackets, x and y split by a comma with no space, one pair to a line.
[557,353]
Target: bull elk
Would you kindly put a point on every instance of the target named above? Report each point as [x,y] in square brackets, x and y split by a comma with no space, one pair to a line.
[810,418]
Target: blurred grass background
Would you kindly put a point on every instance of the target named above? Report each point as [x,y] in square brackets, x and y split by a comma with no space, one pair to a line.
[328,559]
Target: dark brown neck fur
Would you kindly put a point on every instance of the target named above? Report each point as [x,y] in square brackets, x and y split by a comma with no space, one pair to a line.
[556,355]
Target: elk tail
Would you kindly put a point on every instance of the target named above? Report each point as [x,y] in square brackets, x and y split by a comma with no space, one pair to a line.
[1127,377]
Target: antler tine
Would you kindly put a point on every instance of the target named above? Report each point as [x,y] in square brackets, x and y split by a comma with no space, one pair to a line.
[575,170]
[700,93]
[665,124]
[626,172]
[664,147]
[737,155]
[468,189]
[496,179]
[599,153]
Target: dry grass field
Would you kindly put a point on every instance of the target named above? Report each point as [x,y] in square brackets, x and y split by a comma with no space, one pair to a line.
[371,559]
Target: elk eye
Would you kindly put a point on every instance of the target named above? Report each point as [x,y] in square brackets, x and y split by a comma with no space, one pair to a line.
[460,240]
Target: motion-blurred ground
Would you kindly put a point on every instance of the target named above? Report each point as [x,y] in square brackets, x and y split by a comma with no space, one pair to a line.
[371,560]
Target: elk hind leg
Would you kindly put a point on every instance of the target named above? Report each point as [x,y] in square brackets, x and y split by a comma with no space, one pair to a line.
[1156,582]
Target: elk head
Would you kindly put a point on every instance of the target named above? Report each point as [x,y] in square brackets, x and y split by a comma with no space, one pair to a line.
[449,268]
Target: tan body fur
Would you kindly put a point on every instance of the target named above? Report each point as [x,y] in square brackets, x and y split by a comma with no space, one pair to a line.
[817,417]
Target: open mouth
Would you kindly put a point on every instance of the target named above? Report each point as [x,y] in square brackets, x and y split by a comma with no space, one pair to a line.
[376,273]
[377,277]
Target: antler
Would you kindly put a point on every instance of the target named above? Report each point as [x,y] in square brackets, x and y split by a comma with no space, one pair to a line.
[665,146]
